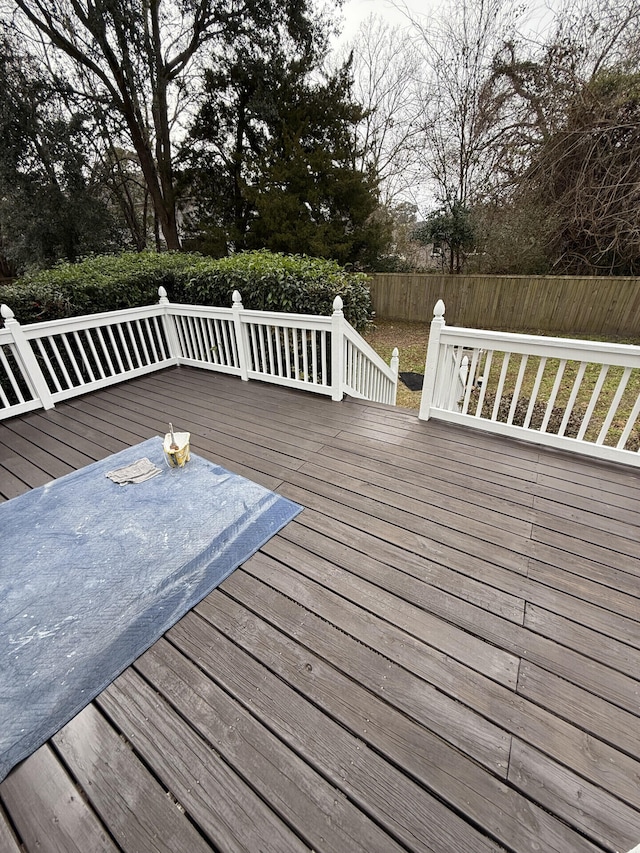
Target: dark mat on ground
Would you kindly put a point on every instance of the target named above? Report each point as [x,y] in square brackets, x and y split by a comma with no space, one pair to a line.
[413,381]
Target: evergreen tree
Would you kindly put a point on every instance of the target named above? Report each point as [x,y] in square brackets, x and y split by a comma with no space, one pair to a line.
[273,163]
[449,229]
[48,208]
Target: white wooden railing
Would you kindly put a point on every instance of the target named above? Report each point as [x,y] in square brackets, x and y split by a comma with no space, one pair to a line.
[43,363]
[571,394]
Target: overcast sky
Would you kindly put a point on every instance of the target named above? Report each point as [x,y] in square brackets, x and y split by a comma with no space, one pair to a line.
[356,11]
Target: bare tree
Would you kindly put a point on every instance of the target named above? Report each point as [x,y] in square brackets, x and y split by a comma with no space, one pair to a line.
[568,147]
[459,135]
[386,69]
[533,86]
[134,58]
[587,175]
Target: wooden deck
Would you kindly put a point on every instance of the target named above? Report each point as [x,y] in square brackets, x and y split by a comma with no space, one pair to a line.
[441,653]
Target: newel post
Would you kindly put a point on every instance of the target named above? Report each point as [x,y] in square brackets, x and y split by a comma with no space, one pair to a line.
[394,364]
[337,349]
[242,342]
[431,364]
[27,359]
[170,330]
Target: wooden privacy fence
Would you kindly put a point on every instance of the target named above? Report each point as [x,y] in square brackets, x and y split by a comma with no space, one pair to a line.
[43,363]
[559,304]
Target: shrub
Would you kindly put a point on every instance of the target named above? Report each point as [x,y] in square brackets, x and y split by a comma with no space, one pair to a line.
[266,281]
[276,282]
[100,283]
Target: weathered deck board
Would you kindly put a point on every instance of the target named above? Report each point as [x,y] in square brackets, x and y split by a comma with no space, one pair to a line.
[113,777]
[442,652]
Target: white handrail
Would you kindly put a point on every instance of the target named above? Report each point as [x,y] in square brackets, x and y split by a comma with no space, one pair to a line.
[572,394]
[43,363]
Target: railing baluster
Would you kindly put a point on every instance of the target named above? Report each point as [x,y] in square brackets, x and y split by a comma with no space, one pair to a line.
[287,351]
[305,355]
[60,361]
[142,338]
[270,332]
[88,337]
[593,401]
[132,345]
[503,374]
[123,341]
[255,365]
[534,392]
[553,395]
[631,420]
[105,358]
[278,332]
[83,357]
[577,382]
[613,408]
[189,349]
[231,352]
[453,395]
[296,358]
[323,357]
[314,357]
[203,353]
[264,348]
[116,349]
[73,361]
[484,382]
[471,378]
[155,341]
[48,370]
[180,334]
[208,336]
[10,375]
[516,391]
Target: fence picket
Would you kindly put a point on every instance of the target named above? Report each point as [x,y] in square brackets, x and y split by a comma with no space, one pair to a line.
[560,304]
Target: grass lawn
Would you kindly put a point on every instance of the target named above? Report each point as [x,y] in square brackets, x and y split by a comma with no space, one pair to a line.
[411,340]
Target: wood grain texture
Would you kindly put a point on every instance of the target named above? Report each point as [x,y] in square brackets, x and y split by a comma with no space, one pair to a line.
[107,769]
[8,840]
[584,804]
[48,811]
[439,653]
[587,305]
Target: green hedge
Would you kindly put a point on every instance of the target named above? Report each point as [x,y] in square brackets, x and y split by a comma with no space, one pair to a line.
[266,281]
[276,282]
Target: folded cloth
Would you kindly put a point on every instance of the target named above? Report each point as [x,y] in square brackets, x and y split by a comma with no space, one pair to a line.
[137,472]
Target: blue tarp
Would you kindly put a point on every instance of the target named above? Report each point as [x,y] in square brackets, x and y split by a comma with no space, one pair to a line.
[92,573]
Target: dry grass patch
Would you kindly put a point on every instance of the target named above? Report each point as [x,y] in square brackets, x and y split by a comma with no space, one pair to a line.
[411,340]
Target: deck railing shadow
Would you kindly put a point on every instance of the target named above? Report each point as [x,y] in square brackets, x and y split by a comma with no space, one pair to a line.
[44,363]
[574,395]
